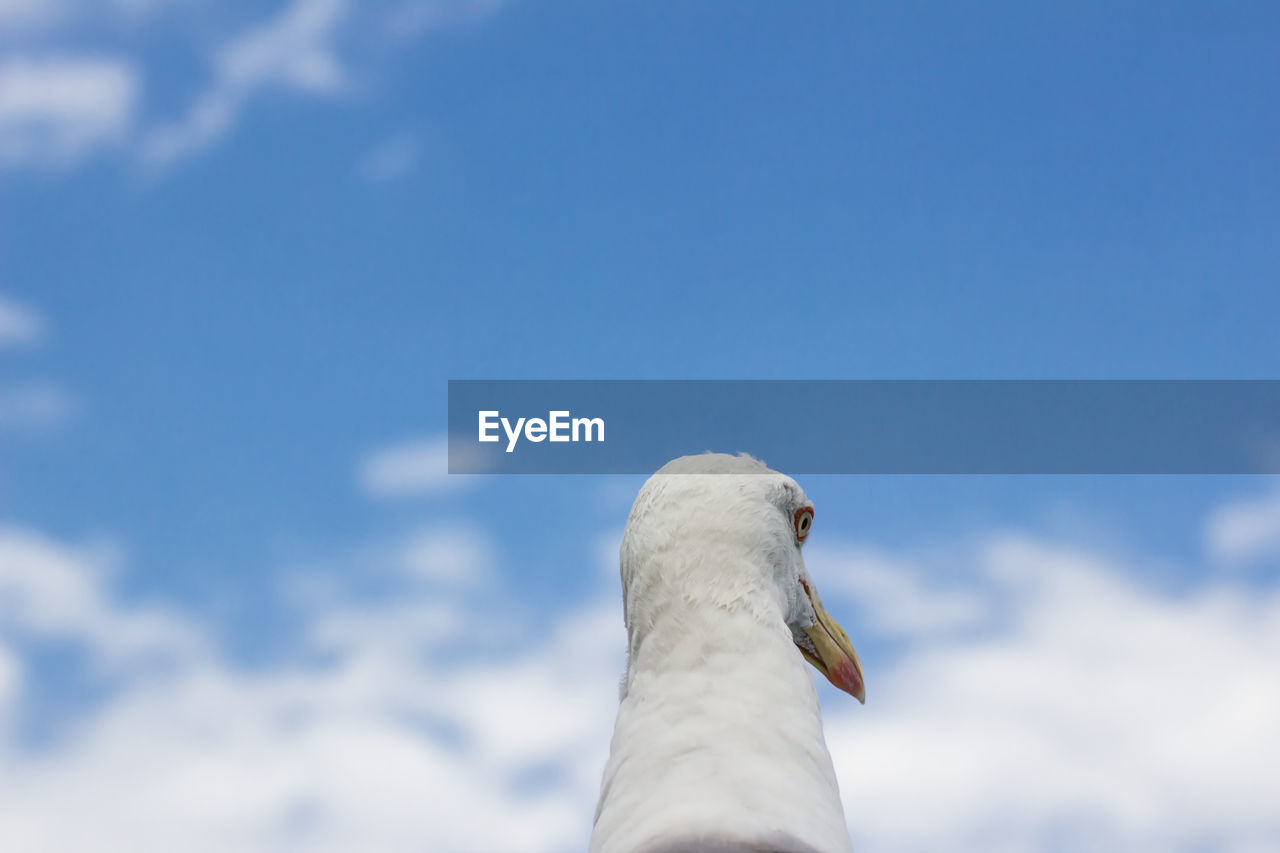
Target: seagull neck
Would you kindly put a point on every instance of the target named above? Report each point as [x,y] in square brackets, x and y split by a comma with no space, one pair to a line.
[697,655]
[718,734]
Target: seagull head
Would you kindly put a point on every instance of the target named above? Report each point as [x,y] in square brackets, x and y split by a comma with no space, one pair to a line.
[727,532]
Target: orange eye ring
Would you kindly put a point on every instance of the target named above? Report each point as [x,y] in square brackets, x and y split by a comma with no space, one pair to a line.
[803,522]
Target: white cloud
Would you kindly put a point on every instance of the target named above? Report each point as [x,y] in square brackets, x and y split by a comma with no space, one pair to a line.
[50,590]
[1094,714]
[25,18]
[434,571]
[1245,531]
[29,405]
[19,325]
[390,159]
[11,677]
[385,745]
[453,554]
[891,594]
[26,15]
[56,111]
[34,406]
[1074,709]
[412,19]
[293,51]
[410,468]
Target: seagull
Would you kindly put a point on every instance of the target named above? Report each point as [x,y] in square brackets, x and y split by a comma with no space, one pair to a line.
[718,744]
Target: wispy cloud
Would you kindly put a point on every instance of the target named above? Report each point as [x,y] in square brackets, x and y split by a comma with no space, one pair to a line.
[19,325]
[1245,531]
[390,159]
[25,15]
[448,553]
[56,111]
[29,404]
[411,19]
[408,469]
[892,594]
[59,105]
[23,18]
[34,406]
[293,51]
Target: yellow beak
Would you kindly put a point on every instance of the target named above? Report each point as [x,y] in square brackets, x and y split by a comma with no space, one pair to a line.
[832,653]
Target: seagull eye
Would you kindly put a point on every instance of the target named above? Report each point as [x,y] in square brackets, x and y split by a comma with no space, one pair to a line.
[803,520]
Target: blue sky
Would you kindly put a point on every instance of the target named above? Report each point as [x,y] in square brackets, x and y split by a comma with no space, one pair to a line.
[243,248]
